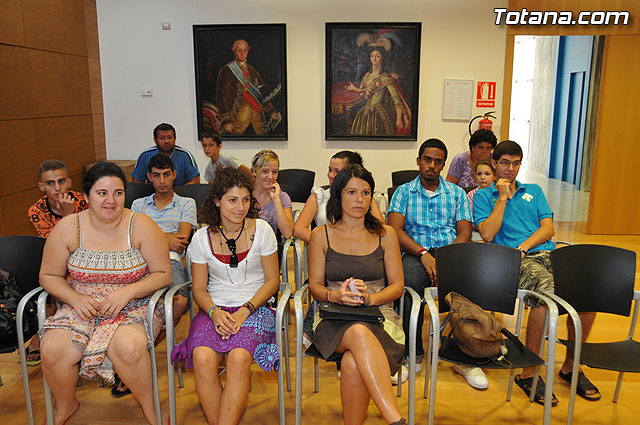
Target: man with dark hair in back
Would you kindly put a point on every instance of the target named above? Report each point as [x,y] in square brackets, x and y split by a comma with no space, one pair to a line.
[518,216]
[428,213]
[58,200]
[164,136]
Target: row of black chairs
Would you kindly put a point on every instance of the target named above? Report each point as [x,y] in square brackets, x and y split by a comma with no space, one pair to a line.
[583,274]
[296,182]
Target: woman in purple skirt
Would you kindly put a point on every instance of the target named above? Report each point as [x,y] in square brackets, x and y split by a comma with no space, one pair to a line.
[234,268]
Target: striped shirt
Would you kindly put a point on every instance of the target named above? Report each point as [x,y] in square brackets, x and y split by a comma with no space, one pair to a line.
[183,162]
[431,220]
[179,210]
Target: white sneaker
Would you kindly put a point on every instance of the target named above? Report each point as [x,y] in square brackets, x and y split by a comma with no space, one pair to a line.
[418,366]
[306,341]
[405,375]
[474,376]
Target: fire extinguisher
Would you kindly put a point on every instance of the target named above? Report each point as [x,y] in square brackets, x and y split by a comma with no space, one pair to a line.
[485,123]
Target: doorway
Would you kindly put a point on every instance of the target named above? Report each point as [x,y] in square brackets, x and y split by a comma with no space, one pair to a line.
[555,85]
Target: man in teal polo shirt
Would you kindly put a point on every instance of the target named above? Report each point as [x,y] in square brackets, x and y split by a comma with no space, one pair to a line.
[518,215]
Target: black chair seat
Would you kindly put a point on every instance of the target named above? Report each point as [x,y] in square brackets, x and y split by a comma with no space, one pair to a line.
[313,352]
[622,356]
[515,358]
[197,192]
[135,191]
[299,183]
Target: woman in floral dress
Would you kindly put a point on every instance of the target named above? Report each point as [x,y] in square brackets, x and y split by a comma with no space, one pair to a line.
[116,260]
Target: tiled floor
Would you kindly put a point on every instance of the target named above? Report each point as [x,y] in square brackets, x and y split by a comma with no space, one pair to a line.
[567,203]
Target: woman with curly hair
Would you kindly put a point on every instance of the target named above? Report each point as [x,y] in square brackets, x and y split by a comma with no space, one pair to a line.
[234,269]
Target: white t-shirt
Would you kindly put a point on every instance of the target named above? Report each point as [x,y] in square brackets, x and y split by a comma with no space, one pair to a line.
[226,161]
[322,195]
[220,289]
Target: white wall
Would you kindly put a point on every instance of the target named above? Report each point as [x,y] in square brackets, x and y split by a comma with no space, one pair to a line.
[459,41]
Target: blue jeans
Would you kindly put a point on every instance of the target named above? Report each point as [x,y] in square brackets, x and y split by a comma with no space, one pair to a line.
[415,277]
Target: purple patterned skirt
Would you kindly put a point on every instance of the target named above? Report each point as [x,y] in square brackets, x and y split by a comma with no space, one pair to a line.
[257,335]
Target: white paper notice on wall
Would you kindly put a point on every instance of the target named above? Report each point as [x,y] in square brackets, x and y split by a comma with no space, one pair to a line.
[457,100]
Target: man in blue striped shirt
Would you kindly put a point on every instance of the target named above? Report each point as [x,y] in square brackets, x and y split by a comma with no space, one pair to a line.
[427,213]
[164,136]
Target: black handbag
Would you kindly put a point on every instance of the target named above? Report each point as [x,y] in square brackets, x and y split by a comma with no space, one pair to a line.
[9,298]
[332,311]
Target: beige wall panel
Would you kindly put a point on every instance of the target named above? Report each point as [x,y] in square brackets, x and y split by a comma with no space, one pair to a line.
[55,25]
[11,24]
[577,6]
[99,140]
[95,84]
[60,84]
[613,208]
[15,90]
[69,139]
[19,159]
[91,24]
[16,207]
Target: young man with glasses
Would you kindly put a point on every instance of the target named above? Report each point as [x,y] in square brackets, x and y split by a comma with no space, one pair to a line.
[518,215]
[427,213]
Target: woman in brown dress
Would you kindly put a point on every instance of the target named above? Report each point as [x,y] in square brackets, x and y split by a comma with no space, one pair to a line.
[356,247]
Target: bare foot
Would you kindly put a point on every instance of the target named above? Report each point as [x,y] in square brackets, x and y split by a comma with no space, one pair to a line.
[61,417]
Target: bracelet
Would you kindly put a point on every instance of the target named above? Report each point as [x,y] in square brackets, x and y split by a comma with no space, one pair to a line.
[328,295]
[212,310]
[422,251]
[249,306]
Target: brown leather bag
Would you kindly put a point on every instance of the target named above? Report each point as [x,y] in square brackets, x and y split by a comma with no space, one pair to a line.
[477,332]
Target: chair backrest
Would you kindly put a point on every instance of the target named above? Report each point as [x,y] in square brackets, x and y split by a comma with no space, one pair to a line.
[299,182]
[403,176]
[22,255]
[486,274]
[390,193]
[595,277]
[196,192]
[135,191]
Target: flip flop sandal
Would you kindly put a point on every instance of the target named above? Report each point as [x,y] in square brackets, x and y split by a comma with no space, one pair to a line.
[116,392]
[526,383]
[583,386]
[32,362]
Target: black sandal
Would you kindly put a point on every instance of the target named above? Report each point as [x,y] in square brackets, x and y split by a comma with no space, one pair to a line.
[116,392]
[526,383]
[29,352]
[584,385]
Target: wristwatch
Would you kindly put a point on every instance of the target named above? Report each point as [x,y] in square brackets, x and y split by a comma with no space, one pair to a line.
[422,251]
[521,249]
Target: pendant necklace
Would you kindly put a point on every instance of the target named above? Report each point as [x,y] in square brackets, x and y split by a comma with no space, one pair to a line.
[233,259]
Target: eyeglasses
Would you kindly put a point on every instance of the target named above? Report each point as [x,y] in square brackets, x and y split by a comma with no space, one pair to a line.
[233,261]
[506,164]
